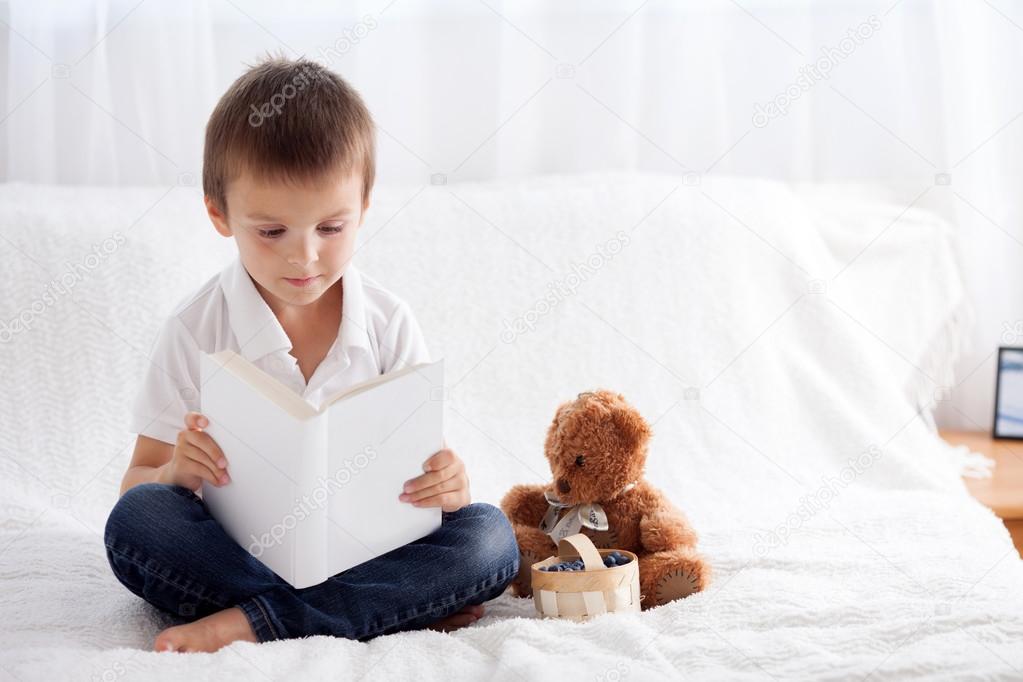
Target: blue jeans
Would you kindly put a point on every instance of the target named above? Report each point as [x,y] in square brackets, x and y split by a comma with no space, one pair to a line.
[164,546]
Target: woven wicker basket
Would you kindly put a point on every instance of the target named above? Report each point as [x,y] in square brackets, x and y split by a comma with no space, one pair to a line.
[580,595]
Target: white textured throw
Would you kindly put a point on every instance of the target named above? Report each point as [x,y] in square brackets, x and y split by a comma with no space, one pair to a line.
[783,388]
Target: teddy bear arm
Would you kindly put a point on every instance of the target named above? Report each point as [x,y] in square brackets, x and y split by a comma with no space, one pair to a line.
[664,530]
[524,504]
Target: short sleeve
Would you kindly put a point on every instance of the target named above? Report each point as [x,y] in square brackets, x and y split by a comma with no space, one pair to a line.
[170,387]
[402,343]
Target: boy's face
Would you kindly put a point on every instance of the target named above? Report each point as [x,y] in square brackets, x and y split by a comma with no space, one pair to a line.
[288,232]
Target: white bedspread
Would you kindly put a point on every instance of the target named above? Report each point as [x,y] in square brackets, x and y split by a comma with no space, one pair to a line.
[726,314]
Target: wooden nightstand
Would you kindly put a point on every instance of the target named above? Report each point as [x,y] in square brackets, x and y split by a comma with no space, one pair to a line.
[1004,492]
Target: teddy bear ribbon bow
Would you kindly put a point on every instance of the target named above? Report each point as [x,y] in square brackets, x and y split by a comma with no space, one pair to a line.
[590,515]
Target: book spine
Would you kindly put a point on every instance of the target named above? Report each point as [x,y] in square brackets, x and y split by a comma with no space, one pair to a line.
[310,547]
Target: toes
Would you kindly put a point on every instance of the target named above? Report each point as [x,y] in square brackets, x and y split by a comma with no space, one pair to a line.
[164,643]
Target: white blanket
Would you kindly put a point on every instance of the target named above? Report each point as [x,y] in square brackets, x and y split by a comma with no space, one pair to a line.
[789,395]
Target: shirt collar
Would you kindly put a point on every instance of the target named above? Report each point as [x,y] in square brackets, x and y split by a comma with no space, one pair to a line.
[259,332]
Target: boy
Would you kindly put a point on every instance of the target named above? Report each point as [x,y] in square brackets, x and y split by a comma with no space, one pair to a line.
[292,186]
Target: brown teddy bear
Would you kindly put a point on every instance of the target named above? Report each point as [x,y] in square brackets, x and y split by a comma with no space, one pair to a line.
[597,448]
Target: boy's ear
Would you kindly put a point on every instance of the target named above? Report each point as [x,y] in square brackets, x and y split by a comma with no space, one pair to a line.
[365,207]
[218,219]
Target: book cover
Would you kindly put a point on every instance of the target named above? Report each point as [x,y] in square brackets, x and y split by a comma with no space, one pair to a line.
[314,489]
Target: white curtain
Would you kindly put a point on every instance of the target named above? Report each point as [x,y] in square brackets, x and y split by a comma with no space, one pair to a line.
[920,99]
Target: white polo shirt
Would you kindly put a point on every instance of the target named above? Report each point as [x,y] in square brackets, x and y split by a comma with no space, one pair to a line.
[378,334]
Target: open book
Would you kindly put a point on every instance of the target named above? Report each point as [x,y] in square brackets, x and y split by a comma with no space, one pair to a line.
[314,490]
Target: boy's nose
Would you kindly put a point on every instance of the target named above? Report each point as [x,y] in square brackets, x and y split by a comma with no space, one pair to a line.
[304,254]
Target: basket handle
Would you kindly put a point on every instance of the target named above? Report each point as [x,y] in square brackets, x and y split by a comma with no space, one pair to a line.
[580,545]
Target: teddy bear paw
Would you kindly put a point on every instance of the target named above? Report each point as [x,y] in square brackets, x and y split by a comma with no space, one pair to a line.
[677,584]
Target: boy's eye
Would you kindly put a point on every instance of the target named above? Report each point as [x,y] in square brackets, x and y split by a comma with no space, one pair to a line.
[278,231]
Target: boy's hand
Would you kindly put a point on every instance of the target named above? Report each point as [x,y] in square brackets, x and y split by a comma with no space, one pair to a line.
[445,483]
[196,457]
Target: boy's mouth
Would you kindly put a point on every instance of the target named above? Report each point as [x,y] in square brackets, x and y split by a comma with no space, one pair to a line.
[301,282]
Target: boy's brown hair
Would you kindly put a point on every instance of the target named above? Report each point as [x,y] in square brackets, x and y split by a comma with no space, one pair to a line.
[293,120]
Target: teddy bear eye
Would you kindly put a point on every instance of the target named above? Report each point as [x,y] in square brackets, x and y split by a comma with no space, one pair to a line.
[580,460]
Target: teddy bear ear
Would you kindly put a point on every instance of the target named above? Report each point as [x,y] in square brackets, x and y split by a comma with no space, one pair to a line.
[631,425]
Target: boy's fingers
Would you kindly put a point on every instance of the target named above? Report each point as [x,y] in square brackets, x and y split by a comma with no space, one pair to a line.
[209,470]
[439,460]
[446,501]
[452,484]
[195,420]
[203,472]
[189,467]
[205,442]
[427,480]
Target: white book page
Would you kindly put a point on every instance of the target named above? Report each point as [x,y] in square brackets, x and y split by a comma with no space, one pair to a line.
[271,460]
[377,440]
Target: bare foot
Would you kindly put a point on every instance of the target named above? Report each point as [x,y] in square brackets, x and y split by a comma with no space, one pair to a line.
[459,619]
[207,634]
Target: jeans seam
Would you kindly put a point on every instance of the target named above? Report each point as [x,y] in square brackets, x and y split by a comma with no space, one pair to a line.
[263,609]
[503,574]
[163,579]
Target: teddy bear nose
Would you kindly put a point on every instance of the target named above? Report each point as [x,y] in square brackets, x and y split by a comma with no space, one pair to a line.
[563,486]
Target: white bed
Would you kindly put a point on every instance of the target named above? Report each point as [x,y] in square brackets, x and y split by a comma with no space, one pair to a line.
[722,319]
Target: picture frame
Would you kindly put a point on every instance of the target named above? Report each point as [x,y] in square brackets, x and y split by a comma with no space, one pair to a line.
[1008,412]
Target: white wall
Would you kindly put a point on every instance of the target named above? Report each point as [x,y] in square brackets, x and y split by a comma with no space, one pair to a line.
[928,105]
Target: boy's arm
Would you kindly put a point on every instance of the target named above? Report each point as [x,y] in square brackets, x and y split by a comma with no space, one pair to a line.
[193,458]
[147,462]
